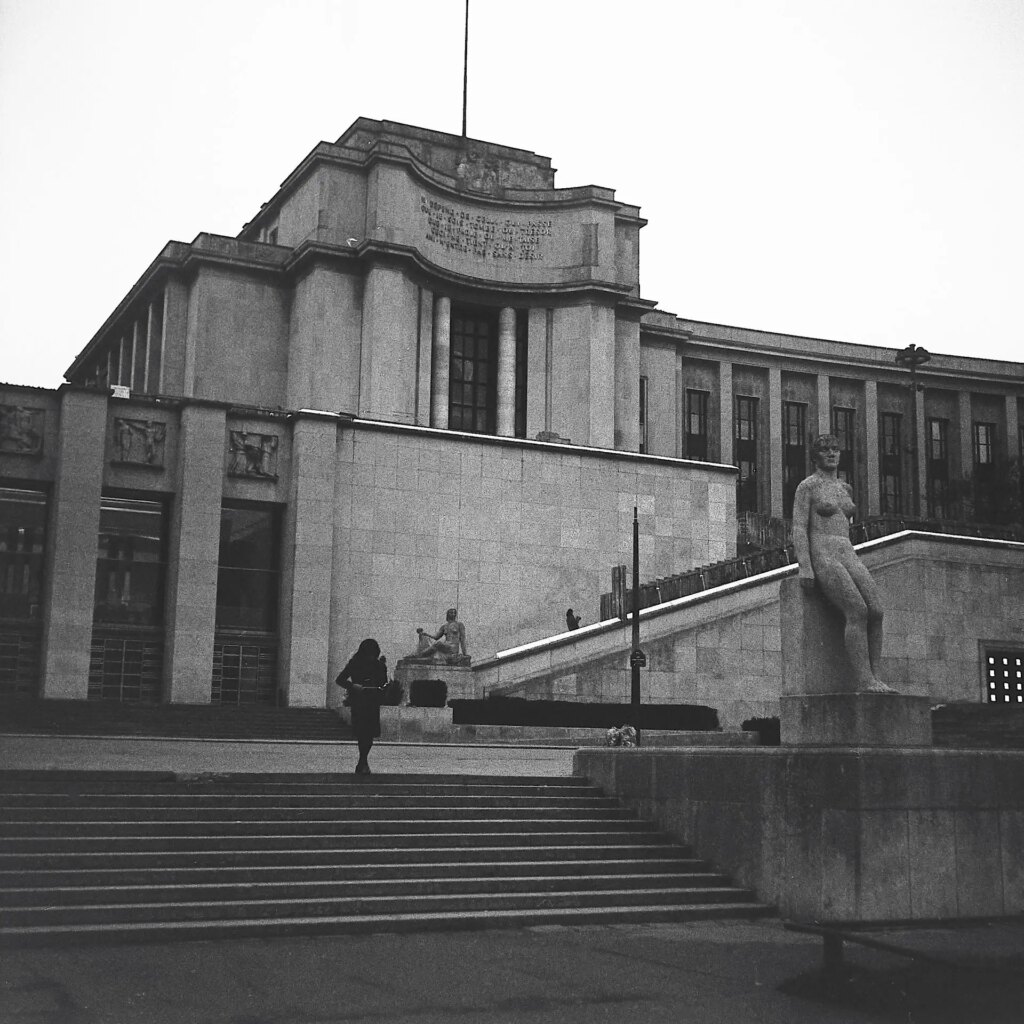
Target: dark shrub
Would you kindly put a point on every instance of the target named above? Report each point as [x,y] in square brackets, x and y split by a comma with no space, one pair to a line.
[767,730]
[428,693]
[579,715]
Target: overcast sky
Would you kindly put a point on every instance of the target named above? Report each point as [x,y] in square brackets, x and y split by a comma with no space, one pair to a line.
[849,170]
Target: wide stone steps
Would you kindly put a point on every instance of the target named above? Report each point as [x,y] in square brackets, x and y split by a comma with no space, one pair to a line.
[93,857]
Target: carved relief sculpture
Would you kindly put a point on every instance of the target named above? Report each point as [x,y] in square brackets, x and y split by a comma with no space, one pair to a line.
[253,455]
[822,508]
[21,430]
[140,442]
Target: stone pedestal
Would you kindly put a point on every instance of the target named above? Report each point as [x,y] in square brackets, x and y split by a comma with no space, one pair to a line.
[813,648]
[855,720]
[458,677]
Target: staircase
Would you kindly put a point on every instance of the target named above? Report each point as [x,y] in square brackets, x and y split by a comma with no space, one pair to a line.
[144,856]
[191,721]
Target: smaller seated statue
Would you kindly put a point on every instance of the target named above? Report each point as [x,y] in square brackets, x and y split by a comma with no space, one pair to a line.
[448,643]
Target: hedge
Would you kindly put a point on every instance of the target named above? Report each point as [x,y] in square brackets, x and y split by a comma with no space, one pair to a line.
[579,715]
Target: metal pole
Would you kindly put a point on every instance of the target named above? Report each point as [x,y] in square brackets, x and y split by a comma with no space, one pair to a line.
[915,455]
[636,657]
[465,72]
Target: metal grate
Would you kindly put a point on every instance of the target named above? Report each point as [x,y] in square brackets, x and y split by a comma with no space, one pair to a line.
[128,669]
[1004,677]
[244,672]
[20,655]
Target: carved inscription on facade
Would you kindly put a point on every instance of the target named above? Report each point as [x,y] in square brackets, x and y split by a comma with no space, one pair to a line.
[252,455]
[476,234]
[139,442]
[21,430]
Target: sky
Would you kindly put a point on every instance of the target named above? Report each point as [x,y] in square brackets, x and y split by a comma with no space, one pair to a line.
[843,169]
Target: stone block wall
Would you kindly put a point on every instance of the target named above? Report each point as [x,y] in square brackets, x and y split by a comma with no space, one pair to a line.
[510,532]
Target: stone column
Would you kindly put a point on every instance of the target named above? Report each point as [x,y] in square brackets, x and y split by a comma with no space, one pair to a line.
[425,352]
[441,362]
[193,555]
[824,404]
[725,427]
[873,503]
[306,590]
[775,440]
[1012,429]
[627,385]
[72,544]
[966,434]
[506,372]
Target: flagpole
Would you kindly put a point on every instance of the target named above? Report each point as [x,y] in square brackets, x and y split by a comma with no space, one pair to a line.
[465,71]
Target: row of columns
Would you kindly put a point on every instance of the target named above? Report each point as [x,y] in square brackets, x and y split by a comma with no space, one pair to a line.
[872,498]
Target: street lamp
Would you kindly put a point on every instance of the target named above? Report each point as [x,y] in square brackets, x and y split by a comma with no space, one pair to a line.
[911,358]
[637,658]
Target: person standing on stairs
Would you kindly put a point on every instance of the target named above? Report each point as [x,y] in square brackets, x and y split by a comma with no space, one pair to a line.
[364,679]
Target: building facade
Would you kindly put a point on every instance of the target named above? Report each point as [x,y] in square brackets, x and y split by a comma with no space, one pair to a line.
[420,377]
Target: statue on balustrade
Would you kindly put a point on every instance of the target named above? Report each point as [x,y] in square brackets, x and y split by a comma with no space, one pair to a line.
[822,508]
[447,644]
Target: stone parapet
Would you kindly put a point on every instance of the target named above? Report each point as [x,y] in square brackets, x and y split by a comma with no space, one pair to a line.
[855,720]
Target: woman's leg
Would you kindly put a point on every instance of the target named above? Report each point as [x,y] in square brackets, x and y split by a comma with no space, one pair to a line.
[364,743]
[838,586]
[869,592]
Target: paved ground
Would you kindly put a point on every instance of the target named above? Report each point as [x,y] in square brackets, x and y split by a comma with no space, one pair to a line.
[705,973]
[86,753]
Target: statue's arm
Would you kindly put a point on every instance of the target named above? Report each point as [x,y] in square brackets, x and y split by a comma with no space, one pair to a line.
[801,527]
[462,639]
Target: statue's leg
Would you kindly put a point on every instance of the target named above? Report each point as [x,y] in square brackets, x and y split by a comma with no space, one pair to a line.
[872,600]
[837,585]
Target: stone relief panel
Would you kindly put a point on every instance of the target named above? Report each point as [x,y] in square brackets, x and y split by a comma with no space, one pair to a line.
[21,430]
[252,455]
[139,442]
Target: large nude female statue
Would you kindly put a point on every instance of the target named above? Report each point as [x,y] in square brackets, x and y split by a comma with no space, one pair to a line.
[822,508]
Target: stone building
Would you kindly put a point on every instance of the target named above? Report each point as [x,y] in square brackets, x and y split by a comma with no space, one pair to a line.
[420,377]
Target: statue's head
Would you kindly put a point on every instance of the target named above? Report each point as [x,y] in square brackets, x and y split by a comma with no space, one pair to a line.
[824,443]
[451,614]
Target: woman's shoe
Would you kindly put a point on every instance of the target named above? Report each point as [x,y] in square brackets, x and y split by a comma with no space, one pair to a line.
[362,768]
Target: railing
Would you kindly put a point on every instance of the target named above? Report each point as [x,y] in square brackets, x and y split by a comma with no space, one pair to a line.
[752,525]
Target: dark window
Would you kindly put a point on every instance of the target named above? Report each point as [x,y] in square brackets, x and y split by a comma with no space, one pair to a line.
[248,570]
[643,414]
[842,427]
[746,453]
[794,452]
[697,425]
[1004,677]
[472,401]
[937,467]
[984,444]
[22,542]
[892,463]
[130,562]
[522,334]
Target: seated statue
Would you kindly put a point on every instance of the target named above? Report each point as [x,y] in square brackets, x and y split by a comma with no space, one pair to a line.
[822,508]
[449,642]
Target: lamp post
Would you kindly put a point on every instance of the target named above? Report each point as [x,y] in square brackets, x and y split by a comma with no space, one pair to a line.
[911,358]
[637,658]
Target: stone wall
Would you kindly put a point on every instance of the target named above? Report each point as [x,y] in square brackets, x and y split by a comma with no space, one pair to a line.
[510,532]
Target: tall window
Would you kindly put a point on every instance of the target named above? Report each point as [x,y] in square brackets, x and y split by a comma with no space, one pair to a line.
[22,541]
[472,402]
[248,570]
[697,425]
[842,427]
[130,563]
[746,453]
[937,467]
[984,444]
[794,452]
[892,463]
[643,414]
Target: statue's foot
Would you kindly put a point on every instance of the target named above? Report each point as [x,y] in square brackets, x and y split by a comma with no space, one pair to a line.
[877,686]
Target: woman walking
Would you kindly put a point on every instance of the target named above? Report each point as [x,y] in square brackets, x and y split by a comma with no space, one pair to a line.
[364,678]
